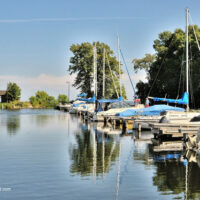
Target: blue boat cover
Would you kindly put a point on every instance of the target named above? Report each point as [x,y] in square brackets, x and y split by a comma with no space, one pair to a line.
[101,101]
[150,111]
[92,100]
[77,104]
[109,100]
[82,95]
[183,100]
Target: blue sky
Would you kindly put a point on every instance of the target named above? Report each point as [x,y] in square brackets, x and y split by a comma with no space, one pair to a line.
[36,35]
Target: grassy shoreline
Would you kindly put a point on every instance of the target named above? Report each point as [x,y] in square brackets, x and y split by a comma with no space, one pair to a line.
[15,105]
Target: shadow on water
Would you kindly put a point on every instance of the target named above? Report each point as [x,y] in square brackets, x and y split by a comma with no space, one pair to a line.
[94,152]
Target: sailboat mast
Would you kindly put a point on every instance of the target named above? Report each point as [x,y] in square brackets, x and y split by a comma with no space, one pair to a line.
[118,48]
[187,61]
[95,70]
[103,73]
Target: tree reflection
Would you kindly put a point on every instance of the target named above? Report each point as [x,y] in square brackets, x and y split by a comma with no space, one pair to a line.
[176,178]
[93,153]
[42,120]
[172,175]
[13,124]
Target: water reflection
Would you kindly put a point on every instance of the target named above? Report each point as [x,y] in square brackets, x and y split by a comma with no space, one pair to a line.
[169,176]
[174,175]
[94,152]
[13,124]
[178,178]
[42,120]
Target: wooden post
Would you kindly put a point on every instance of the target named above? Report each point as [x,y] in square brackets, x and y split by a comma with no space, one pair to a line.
[139,130]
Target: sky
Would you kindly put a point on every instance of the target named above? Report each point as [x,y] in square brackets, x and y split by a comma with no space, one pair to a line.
[36,36]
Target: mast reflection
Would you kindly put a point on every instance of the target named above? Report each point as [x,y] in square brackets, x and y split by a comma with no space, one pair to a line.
[94,152]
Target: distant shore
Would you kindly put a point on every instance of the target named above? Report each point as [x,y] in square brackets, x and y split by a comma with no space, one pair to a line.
[15,105]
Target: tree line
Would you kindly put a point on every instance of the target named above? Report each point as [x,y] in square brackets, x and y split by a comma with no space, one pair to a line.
[41,99]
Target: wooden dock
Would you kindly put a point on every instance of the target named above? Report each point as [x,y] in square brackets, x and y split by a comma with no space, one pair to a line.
[170,136]
[166,136]
[176,129]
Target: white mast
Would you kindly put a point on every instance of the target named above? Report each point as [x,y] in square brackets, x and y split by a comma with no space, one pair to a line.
[187,62]
[103,73]
[118,47]
[95,70]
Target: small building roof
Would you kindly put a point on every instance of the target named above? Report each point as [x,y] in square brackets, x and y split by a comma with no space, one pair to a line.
[2,92]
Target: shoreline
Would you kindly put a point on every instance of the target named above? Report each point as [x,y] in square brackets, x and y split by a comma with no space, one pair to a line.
[22,105]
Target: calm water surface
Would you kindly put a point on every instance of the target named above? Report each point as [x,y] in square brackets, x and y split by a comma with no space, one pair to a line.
[47,154]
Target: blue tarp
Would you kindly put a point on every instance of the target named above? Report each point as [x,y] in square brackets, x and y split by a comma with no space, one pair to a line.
[82,95]
[184,99]
[150,111]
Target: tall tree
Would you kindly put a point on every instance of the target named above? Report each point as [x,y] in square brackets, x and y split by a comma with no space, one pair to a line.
[13,92]
[166,68]
[82,66]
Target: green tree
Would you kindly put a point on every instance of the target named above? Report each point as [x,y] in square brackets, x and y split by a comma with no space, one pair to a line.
[51,102]
[143,63]
[42,97]
[166,68]
[62,98]
[13,92]
[42,100]
[33,101]
[82,66]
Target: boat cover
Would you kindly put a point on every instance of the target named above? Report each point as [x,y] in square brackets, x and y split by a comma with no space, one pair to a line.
[92,100]
[101,101]
[109,100]
[183,100]
[77,104]
[150,111]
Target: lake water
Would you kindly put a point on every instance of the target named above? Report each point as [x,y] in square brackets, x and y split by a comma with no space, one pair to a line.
[47,154]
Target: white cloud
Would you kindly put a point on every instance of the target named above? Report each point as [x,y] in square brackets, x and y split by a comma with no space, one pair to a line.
[67,19]
[55,85]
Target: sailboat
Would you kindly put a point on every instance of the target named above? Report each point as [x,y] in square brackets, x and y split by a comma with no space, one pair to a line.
[103,104]
[114,106]
[171,111]
[184,100]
